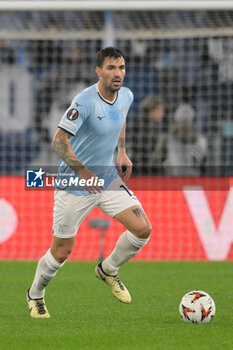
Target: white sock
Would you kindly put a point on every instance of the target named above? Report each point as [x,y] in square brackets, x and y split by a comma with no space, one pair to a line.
[46,270]
[127,246]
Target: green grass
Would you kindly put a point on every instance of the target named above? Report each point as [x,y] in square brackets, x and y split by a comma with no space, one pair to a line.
[85,315]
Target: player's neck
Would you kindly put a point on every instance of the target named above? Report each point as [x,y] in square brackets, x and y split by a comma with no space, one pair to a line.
[107,95]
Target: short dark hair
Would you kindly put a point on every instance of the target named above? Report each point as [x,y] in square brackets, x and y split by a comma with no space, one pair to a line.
[108,52]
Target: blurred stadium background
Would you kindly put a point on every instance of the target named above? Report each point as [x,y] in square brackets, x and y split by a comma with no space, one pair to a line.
[183,56]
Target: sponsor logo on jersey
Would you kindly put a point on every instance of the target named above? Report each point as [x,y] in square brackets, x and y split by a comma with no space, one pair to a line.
[72,114]
[68,123]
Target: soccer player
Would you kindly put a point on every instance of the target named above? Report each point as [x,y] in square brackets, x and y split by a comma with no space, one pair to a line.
[86,139]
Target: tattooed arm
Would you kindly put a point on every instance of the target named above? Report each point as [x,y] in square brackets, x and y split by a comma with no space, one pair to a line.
[122,159]
[62,147]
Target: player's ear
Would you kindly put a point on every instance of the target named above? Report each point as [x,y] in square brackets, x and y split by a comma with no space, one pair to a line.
[97,69]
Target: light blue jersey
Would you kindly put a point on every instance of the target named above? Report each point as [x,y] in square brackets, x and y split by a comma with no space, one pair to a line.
[95,125]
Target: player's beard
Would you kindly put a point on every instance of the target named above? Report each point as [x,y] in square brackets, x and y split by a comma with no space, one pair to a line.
[108,85]
[113,88]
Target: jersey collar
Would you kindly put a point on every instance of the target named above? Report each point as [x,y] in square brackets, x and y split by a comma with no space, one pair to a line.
[104,99]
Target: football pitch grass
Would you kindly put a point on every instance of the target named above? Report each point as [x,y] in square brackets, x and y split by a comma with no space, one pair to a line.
[85,315]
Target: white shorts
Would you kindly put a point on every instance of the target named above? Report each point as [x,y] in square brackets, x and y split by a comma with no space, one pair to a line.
[70,210]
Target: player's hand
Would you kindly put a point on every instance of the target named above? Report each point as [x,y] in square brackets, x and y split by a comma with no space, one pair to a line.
[86,175]
[124,165]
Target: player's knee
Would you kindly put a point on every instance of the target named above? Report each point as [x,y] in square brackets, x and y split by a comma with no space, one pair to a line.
[143,231]
[146,231]
[62,254]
